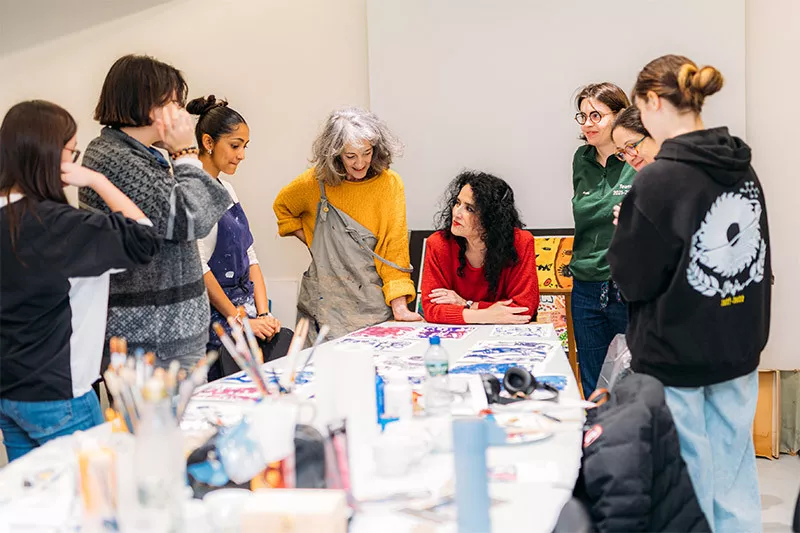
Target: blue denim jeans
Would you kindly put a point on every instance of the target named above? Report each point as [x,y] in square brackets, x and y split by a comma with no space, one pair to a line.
[596,321]
[26,425]
[715,431]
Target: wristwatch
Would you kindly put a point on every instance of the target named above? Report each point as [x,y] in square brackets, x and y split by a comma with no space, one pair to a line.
[468,304]
[264,314]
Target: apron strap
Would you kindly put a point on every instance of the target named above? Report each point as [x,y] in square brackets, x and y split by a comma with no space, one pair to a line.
[322,212]
[364,246]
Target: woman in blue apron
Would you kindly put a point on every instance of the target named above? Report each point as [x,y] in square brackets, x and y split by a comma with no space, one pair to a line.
[231,271]
[350,210]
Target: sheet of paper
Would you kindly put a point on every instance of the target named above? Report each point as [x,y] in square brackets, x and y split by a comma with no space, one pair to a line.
[536,331]
[443,332]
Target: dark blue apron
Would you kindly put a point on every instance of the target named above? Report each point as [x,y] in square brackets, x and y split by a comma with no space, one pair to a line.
[231,267]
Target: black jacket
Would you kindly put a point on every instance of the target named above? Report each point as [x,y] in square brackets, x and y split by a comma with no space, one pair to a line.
[691,255]
[54,286]
[632,475]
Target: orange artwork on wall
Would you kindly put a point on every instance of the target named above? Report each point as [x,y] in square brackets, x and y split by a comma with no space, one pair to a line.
[552,262]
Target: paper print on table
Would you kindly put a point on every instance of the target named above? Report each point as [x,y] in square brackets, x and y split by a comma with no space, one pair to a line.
[559,381]
[228,393]
[406,364]
[384,332]
[200,416]
[537,331]
[379,344]
[506,351]
[241,378]
[497,369]
[443,332]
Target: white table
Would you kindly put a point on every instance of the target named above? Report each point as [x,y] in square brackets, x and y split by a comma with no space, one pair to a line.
[535,502]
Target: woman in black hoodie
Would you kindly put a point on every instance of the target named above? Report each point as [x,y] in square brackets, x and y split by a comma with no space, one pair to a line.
[691,256]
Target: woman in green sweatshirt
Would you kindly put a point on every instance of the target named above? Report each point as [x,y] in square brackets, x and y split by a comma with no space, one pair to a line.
[598,312]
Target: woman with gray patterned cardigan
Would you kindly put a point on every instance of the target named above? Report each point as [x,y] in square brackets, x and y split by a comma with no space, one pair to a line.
[161,307]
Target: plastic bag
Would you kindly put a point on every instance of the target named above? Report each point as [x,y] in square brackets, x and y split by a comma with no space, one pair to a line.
[617,363]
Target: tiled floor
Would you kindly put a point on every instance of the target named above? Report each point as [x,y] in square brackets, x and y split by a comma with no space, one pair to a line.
[779,482]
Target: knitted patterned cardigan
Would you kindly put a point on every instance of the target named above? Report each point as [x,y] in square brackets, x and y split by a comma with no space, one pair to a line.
[161,307]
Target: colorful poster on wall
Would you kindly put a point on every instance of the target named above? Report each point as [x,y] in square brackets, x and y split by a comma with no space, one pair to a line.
[552,262]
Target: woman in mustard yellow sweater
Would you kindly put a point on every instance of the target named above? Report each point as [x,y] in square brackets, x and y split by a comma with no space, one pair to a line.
[350,210]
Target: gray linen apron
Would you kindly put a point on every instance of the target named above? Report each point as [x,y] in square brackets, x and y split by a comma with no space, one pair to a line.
[342,287]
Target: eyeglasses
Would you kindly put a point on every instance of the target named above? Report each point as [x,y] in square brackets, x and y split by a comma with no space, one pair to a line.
[594,116]
[76,154]
[630,149]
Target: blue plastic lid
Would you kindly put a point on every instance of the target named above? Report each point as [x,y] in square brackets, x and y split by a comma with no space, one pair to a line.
[434,340]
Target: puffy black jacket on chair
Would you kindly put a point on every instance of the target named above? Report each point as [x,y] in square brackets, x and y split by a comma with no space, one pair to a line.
[632,475]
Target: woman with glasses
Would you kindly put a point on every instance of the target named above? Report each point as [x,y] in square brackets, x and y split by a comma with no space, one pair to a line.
[634,145]
[162,307]
[54,277]
[598,312]
[632,140]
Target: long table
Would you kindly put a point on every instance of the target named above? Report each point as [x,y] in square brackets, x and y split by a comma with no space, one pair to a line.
[546,470]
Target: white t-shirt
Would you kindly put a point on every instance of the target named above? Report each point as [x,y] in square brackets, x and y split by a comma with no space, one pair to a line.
[207,245]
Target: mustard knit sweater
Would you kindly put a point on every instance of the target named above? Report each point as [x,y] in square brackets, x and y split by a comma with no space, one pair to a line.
[379,204]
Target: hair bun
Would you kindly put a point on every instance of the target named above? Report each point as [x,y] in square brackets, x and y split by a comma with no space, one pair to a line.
[695,84]
[708,81]
[201,106]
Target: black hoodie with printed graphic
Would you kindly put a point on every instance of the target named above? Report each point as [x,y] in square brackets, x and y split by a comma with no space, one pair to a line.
[691,255]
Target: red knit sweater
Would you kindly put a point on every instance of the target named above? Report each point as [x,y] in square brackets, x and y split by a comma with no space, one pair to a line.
[518,282]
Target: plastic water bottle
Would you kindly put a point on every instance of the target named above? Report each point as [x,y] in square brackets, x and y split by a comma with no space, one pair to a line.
[437,390]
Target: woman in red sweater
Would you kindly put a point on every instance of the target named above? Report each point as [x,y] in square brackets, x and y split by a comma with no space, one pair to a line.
[480,267]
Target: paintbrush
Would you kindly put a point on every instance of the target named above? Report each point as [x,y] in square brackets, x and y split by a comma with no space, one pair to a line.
[238,337]
[242,356]
[171,380]
[149,365]
[227,342]
[122,399]
[323,332]
[129,386]
[117,357]
[251,338]
[140,369]
[299,339]
[195,379]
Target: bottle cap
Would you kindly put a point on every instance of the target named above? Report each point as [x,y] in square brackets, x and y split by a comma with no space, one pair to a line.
[434,340]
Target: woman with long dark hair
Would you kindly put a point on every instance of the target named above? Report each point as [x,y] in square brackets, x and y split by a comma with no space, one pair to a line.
[54,277]
[480,267]
[231,270]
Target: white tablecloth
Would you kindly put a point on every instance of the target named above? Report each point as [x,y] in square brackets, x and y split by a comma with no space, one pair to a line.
[547,470]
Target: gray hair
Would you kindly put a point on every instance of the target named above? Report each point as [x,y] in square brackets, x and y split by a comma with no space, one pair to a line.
[352,125]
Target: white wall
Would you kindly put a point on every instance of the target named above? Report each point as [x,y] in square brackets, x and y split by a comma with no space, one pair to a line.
[283,64]
[773,46]
[491,85]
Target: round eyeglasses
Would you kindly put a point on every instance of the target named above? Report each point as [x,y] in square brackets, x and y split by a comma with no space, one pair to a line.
[595,117]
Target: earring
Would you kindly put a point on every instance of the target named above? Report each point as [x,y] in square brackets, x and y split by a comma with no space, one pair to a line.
[209,152]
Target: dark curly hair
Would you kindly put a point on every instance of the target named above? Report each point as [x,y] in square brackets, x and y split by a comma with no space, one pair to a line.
[494,200]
